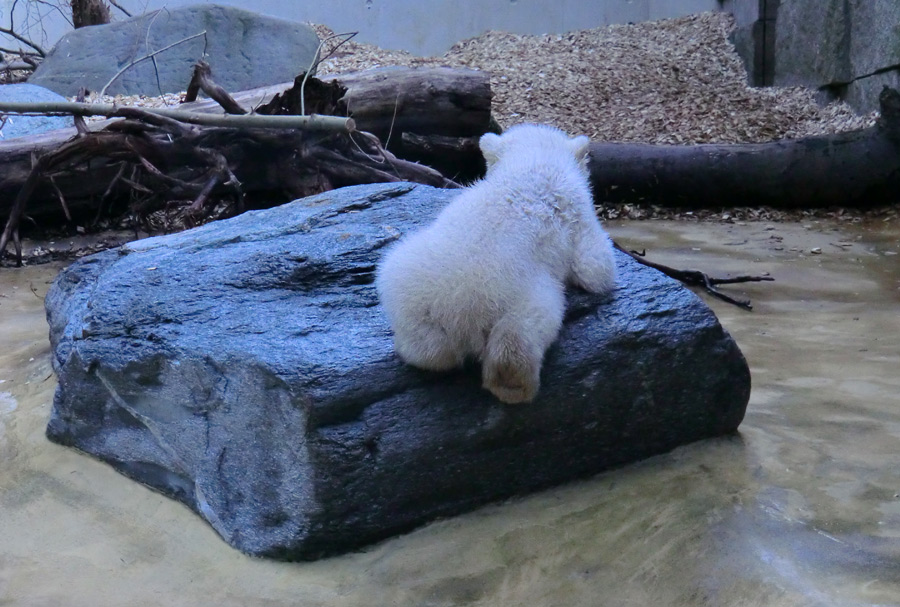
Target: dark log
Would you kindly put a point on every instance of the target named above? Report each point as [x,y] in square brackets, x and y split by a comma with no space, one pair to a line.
[434,101]
[458,157]
[428,115]
[853,169]
[394,100]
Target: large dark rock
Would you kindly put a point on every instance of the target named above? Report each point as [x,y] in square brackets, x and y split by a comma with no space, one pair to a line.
[245,50]
[246,369]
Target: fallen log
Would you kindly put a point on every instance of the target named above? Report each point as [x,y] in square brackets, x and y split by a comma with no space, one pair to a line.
[391,101]
[853,169]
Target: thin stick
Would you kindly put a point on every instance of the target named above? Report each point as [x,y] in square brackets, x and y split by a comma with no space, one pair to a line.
[109,190]
[317,59]
[698,278]
[11,230]
[198,203]
[11,32]
[62,199]
[387,141]
[145,57]
[116,4]
[202,81]
[314,122]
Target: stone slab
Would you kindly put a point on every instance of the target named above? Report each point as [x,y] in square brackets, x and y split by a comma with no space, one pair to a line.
[246,369]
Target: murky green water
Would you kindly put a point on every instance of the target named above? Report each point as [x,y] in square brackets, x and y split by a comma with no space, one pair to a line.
[803,508]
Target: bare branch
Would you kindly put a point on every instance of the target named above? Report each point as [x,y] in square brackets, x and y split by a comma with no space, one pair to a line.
[314,122]
[202,80]
[118,6]
[9,31]
[697,278]
[145,57]
[317,60]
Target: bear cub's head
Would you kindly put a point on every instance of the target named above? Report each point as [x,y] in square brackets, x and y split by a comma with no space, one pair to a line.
[540,138]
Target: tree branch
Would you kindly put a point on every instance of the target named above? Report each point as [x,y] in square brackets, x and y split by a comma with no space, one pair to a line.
[202,80]
[313,122]
[697,278]
[118,6]
[145,57]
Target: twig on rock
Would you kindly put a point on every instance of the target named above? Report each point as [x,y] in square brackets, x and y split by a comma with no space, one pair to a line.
[697,278]
[118,6]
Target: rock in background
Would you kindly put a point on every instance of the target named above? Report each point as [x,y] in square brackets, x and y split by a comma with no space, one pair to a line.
[245,50]
[21,126]
[246,368]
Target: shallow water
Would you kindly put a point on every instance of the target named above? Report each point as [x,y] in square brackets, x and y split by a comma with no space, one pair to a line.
[803,508]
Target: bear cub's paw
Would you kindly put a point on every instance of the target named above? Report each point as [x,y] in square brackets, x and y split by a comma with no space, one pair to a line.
[510,372]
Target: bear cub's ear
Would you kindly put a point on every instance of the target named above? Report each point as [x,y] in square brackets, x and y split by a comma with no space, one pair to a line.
[490,145]
[580,147]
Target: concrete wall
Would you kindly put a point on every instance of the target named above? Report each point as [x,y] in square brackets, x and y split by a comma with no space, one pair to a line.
[754,37]
[423,27]
[848,49]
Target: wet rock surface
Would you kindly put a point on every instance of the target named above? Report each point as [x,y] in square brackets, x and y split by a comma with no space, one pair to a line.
[238,44]
[246,369]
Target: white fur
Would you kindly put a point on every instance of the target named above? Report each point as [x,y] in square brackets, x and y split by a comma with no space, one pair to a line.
[486,279]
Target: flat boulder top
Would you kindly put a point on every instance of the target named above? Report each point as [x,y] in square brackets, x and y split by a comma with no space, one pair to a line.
[246,368]
[244,49]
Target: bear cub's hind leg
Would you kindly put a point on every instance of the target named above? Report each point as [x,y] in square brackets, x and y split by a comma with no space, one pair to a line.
[512,358]
[426,345]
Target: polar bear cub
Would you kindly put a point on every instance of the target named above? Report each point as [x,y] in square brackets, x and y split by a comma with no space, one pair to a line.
[487,278]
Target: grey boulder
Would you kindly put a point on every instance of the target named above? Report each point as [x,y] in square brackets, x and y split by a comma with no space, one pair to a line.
[244,49]
[23,126]
[246,369]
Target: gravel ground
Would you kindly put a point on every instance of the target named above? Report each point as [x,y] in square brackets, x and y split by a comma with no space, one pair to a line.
[670,81]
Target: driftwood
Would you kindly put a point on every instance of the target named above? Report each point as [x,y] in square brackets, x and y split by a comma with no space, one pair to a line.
[161,163]
[433,116]
[168,158]
[853,169]
[463,97]
[391,101]
[202,81]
